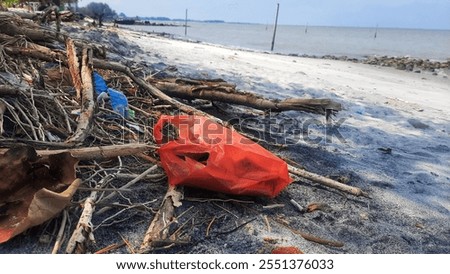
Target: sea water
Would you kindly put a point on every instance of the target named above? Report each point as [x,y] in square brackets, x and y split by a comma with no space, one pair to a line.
[311,40]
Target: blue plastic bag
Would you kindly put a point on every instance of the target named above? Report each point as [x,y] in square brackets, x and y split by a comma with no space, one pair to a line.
[99,83]
[119,102]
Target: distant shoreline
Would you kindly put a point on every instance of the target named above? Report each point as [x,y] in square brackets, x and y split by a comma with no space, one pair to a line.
[355,43]
[406,63]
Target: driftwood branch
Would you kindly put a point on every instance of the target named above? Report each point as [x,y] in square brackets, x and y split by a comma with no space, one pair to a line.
[14,25]
[47,16]
[74,66]
[83,231]
[87,100]
[326,181]
[41,53]
[223,92]
[2,111]
[59,237]
[103,152]
[158,230]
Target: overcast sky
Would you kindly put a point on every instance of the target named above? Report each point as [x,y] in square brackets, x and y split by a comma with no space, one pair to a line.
[430,14]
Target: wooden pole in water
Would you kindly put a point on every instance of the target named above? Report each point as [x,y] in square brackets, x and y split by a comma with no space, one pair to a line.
[275,28]
[185,23]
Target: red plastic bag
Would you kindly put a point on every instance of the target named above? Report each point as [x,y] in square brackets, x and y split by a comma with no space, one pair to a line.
[198,152]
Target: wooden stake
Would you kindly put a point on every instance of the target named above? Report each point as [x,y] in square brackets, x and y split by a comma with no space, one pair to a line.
[275,27]
[185,23]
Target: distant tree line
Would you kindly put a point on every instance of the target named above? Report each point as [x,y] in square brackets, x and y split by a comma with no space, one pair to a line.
[43,3]
[98,11]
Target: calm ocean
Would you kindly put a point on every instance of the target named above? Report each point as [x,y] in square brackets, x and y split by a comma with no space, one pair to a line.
[337,41]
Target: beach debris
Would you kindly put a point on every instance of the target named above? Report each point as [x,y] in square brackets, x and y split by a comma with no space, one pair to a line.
[308,236]
[317,206]
[85,120]
[297,206]
[286,250]
[206,155]
[419,225]
[327,181]
[273,206]
[33,189]
[2,111]
[158,231]
[385,150]
[270,240]
[221,91]
[266,221]
[83,234]
[417,124]
[59,237]
[110,248]
[50,99]
[119,102]
[91,153]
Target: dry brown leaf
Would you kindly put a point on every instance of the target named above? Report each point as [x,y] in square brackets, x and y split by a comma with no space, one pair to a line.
[318,206]
[33,189]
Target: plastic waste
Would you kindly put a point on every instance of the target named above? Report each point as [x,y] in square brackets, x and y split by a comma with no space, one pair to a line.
[99,84]
[198,152]
[119,102]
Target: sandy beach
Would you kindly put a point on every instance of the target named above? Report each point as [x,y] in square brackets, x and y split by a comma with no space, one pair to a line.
[385,109]
[392,139]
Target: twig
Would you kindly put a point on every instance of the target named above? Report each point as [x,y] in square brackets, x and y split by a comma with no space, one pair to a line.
[175,233]
[131,183]
[59,237]
[208,228]
[266,220]
[120,212]
[103,189]
[201,200]
[326,181]
[175,219]
[110,248]
[25,116]
[273,206]
[130,247]
[148,177]
[221,207]
[311,237]
[236,228]
[297,206]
